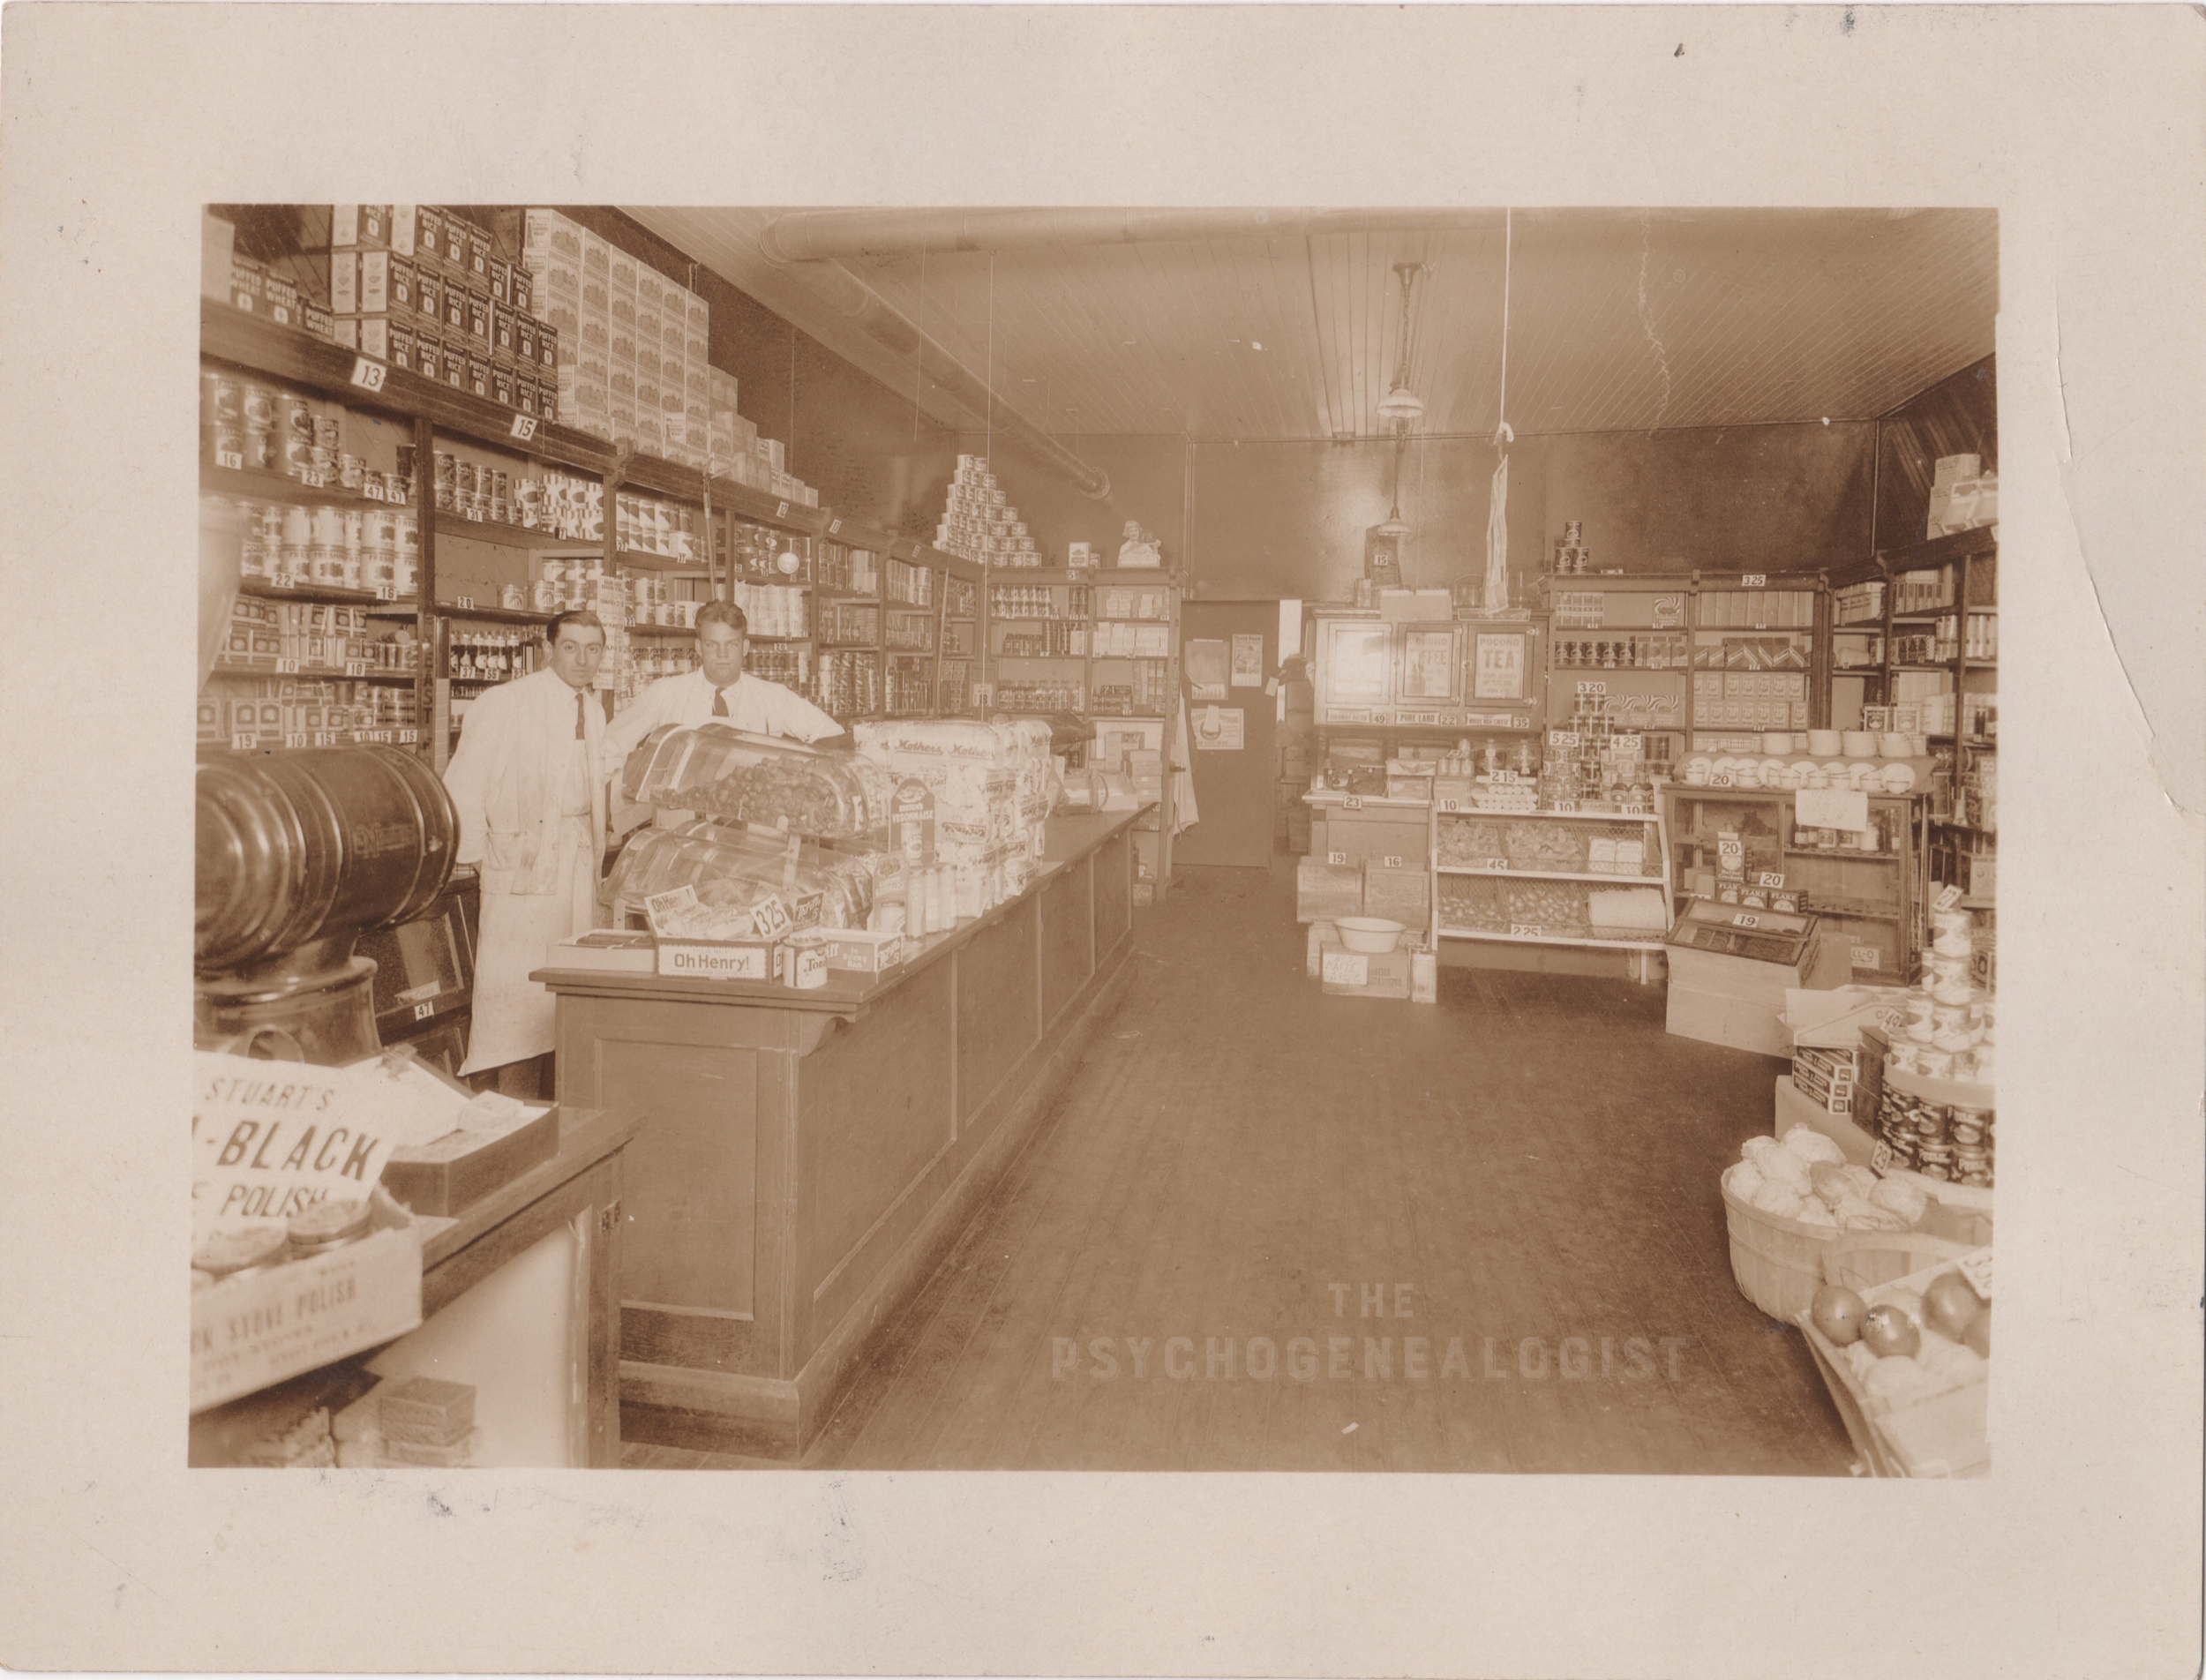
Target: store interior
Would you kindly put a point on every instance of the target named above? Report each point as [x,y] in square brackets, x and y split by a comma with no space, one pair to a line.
[1402,877]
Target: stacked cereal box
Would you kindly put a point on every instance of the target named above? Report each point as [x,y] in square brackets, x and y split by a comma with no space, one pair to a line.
[631,347]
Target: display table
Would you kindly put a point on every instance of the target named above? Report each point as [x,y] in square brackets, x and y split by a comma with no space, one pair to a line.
[812,1153]
[578,1189]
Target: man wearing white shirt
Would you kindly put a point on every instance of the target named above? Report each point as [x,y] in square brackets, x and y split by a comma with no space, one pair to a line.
[720,691]
[529,782]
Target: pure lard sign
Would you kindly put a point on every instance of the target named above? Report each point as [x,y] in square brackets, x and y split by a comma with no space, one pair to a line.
[271,1139]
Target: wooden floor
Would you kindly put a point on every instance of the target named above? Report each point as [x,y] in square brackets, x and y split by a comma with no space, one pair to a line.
[1524,1178]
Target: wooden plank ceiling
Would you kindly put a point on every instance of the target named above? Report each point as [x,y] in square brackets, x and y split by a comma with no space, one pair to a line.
[1618,320]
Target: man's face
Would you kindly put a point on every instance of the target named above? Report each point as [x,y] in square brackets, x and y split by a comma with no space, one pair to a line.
[576,654]
[720,646]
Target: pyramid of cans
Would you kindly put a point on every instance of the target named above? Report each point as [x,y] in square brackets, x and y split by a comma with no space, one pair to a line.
[1951,1034]
[1572,557]
[980,523]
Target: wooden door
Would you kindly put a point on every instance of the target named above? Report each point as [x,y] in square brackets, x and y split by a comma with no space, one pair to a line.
[1234,750]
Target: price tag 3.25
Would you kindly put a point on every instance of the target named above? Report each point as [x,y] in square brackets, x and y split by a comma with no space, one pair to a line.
[770,916]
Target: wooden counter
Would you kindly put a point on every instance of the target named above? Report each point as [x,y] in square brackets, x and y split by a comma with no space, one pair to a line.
[812,1154]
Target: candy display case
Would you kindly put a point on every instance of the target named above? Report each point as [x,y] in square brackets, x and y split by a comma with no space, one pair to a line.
[733,777]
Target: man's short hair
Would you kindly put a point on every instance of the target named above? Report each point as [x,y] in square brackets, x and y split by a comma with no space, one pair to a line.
[581,617]
[723,612]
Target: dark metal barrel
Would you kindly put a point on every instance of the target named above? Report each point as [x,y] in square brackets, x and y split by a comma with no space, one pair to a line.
[314,843]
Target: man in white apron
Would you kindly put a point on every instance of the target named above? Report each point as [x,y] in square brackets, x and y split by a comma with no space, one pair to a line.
[529,784]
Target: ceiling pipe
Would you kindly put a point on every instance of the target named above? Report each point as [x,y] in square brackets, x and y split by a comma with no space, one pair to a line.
[858,303]
[827,235]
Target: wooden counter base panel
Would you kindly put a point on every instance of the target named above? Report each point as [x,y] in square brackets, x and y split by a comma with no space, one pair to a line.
[767,1418]
[813,1155]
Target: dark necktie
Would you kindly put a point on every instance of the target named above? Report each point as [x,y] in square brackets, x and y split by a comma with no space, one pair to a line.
[580,701]
[719,702]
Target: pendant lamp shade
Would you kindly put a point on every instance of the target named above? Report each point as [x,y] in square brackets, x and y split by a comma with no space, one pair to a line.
[1401,406]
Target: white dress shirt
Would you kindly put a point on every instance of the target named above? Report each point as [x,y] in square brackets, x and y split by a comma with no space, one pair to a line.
[755,705]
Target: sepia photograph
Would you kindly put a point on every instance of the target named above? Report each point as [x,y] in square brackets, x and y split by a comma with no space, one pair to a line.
[1004,812]
[812,1003]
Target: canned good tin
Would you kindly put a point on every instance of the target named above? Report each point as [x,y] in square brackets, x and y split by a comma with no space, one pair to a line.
[225,1254]
[501,511]
[1934,1063]
[352,471]
[323,460]
[295,416]
[229,444]
[329,1219]
[502,483]
[541,593]
[326,432]
[295,456]
[221,399]
[464,477]
[257,404]
[513,597]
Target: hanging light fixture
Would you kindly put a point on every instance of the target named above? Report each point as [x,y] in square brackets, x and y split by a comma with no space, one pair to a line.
[1402,407]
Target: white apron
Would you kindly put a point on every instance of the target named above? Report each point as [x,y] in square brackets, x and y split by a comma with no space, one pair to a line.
[515,1017]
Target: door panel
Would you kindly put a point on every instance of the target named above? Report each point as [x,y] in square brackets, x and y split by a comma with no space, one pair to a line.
[1236,788]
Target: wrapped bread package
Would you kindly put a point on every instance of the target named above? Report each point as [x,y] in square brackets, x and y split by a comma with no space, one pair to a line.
[965,791]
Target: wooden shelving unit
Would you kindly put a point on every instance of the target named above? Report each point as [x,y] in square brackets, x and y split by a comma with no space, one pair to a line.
[288,356]
[1653,872]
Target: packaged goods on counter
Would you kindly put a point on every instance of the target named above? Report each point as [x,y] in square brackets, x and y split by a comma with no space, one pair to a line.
[717,771]
[736,871]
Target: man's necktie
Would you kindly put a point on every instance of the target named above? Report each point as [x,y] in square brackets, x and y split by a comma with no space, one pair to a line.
[580,701]
[719,702]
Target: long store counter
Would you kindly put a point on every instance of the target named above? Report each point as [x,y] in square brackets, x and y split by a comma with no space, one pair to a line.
[812,1153]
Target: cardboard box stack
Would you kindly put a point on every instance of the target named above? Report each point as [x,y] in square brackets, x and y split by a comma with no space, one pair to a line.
[424,289]
[979,523]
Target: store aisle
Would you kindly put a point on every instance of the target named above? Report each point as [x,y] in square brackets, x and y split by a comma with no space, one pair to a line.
[1524,1177]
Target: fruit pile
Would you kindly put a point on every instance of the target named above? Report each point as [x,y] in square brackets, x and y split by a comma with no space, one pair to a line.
[1806,1179]
[1907,1348]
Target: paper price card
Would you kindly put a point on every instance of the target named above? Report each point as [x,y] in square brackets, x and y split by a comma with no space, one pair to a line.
[1526,930]
[1769,878]
[771,916]
[368,375]
[1344,968]
[1881,1159]
[1948,897]
[1337,860]
[1977,1268]
[1866,956]
[669,912]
